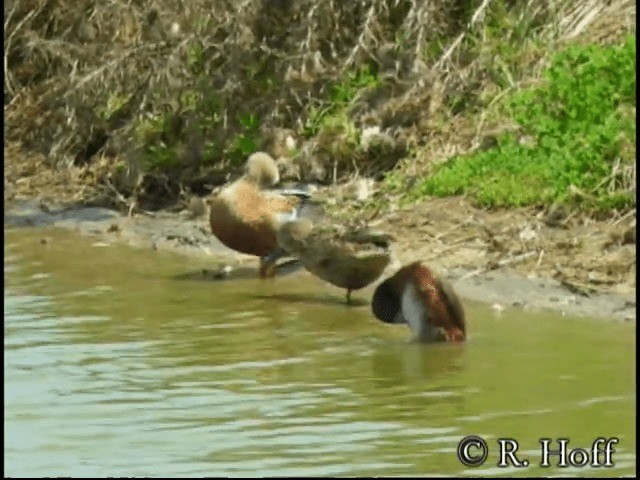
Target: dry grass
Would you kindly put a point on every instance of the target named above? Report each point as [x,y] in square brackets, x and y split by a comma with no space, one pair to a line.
[80,81]
[587,255]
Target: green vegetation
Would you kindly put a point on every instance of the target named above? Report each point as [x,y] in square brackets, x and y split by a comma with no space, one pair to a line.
[189,94]
[332,111]
[581,126]
[162,136]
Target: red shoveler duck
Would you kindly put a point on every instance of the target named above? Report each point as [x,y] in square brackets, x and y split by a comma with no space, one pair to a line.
[427,303]
[246,215]
[349,257]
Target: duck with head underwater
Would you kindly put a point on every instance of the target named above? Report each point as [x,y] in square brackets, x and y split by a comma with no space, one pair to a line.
[350,257]
[427,303]
[245,215]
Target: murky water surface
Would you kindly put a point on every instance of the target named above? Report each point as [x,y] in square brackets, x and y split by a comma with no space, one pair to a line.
[119,362]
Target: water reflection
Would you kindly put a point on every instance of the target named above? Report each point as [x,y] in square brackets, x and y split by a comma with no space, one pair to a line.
[114,366]
[403,363]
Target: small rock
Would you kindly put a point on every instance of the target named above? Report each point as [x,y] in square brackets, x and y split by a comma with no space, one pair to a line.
[366,135]
[223,271]
[372,136]
[497,307]
[220,273]
[556,216]
[629,236]
[360,189]
[114,227]
[44,207]
[527,141]
[527,234]
[280,142]
[175,29]
[488,142]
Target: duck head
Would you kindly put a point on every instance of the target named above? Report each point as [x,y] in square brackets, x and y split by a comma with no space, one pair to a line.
[262,170]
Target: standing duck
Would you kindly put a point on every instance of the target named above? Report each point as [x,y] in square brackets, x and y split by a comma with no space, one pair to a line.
[245,215]
[347,257]
[414,295]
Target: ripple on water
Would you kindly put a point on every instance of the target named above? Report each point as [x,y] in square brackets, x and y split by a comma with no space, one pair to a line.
[152,377]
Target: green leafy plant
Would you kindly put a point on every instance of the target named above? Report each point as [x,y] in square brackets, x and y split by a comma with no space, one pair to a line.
[246,142]
[195,58]
[342,95]
[114,105]
[580,120]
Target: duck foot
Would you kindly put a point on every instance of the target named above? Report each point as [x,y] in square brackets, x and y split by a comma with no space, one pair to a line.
[348,297]
[268,264]
[267,269]
[267,272]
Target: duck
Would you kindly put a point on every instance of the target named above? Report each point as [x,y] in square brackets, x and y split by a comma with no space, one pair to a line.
[416,296]
[245,215]
[350,257]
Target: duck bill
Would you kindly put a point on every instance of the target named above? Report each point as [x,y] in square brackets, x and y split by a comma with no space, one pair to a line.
[454,335]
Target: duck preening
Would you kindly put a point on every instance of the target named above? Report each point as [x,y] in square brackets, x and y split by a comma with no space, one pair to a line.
[246,214]
[427,303]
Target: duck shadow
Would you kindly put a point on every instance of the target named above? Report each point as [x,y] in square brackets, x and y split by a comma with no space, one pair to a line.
[226,272]
[314,299]
[217,275]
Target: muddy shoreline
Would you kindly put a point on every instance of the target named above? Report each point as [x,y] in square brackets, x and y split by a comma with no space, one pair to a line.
[501,287]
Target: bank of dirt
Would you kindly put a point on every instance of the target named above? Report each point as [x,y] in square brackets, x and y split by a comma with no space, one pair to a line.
[137,107]
[510,258]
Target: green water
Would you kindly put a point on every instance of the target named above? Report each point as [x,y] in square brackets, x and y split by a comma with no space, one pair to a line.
[120,362]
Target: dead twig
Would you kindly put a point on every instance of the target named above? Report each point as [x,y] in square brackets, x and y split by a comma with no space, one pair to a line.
[501,263]
[476,16]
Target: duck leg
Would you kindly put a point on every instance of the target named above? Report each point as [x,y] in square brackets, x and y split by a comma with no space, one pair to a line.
[268,263]
[348,296]
[266,270]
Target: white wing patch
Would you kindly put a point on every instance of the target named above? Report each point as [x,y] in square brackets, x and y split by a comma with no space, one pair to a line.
[412,309]
[416,315]
[284,217]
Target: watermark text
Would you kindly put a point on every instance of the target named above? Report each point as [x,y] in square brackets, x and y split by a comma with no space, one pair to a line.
[473,451]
